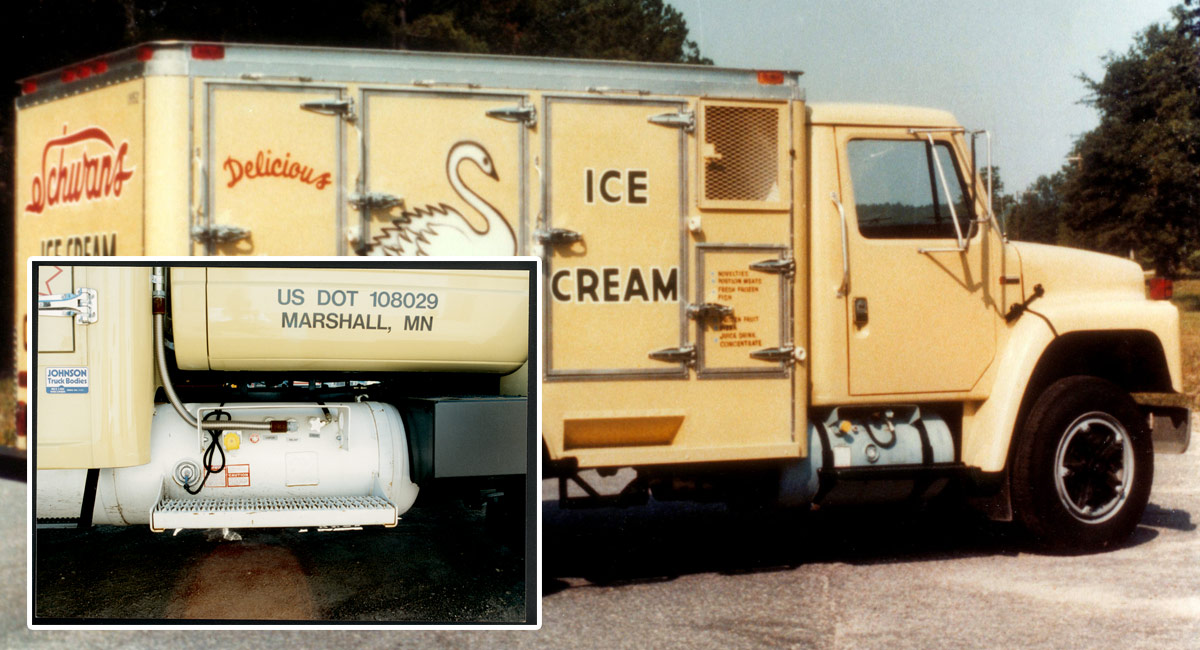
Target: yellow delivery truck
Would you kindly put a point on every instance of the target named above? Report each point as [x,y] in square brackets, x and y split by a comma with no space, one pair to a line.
[747,295]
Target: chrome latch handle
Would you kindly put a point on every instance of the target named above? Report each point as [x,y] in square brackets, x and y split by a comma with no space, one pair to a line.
[709,310]
[82,304]
[557,236]
[685,354]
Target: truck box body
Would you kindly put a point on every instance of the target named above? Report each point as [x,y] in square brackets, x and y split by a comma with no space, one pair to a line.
[189,149]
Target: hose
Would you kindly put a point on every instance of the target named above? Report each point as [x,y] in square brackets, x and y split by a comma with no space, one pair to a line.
[278,426]
[213,447]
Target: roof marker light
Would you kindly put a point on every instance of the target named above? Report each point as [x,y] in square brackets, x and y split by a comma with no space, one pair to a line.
[208,52]
[29,87]
[770,77]
[100,67]
[68,76]
[145,53]
[84,71]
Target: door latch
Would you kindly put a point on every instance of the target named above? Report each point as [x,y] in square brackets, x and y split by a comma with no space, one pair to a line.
[785,354]
[684,119]
[707,310]
[82,304]
[219,234]
[375,201]
[524,114]
[343,108]
[860,312]
[785,266]
[557,236]
[685,354]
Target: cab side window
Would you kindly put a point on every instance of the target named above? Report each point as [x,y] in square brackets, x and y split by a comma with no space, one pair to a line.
[898,193]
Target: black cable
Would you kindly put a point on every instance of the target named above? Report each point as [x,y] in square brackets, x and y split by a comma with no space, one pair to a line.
[213,447]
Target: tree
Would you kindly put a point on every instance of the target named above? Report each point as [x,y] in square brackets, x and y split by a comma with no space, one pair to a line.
[636,30]
[1137,186]
[1036,214]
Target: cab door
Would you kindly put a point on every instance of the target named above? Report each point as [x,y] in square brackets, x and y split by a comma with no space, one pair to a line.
[921,309]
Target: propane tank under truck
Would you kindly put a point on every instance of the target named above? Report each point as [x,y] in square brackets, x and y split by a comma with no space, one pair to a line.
[747,295]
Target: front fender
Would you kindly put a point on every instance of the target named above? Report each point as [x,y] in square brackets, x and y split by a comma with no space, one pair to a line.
[988,426]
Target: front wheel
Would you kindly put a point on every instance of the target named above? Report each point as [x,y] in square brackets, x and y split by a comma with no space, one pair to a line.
[1083,467]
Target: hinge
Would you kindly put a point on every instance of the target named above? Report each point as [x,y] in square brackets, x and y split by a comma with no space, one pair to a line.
[343,108]
[684,119]
[685,354]
[219,234]
[785,266]
[557,236]
[707,310]
[375,201]
[786,354]
[525,114]
[82,304]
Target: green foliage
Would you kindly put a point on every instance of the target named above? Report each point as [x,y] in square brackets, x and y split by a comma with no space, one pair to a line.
[1137,186]
[1036,214]
[637,30]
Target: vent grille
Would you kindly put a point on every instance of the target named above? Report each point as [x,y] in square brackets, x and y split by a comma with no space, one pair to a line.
[742,158]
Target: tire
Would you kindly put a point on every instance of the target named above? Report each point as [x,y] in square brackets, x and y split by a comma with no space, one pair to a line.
[1083,467]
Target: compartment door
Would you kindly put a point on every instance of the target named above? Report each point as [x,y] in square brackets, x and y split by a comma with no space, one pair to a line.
[613,236]
[273,171]
[443,174]
[743,297]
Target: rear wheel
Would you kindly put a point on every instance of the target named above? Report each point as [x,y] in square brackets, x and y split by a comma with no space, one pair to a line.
[1084,465]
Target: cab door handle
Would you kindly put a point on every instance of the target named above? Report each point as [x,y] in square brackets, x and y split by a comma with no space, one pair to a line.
[860,312]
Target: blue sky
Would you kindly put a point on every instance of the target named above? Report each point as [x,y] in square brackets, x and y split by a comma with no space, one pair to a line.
[1010,67]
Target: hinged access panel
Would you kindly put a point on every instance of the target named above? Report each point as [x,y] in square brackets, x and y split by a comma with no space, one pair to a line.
[442,174]
[747,280]
[272,171]
[614,194]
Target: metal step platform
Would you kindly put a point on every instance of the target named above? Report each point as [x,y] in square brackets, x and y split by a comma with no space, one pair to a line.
[272,512]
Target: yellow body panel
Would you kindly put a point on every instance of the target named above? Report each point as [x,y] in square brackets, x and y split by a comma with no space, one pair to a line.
[169,155]
[634,422]
[103,420]
[95,141]
[457,170]
[618,185]
[274,169]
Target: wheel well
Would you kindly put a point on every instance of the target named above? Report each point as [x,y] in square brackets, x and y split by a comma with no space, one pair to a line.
[1131,359]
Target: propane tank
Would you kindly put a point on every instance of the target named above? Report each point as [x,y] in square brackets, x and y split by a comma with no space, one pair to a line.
[337,464]
[858,437]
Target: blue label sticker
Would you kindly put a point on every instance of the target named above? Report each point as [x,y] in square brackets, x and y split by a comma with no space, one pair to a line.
[66,380]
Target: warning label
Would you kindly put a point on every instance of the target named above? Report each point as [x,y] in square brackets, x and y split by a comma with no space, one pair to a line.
[233,476]
[66,380]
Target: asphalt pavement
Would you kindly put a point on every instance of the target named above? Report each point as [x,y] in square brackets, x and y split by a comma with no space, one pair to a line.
[687,575]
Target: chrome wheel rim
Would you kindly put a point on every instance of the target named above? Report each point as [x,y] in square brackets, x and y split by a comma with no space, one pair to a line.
[1094,467]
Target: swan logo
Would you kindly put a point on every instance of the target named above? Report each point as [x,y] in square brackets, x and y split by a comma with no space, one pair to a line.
[441,229]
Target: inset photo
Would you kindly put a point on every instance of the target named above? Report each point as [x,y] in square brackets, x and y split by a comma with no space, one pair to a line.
[312,442]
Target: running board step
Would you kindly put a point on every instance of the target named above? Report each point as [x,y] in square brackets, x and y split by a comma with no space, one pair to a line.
[272,512]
